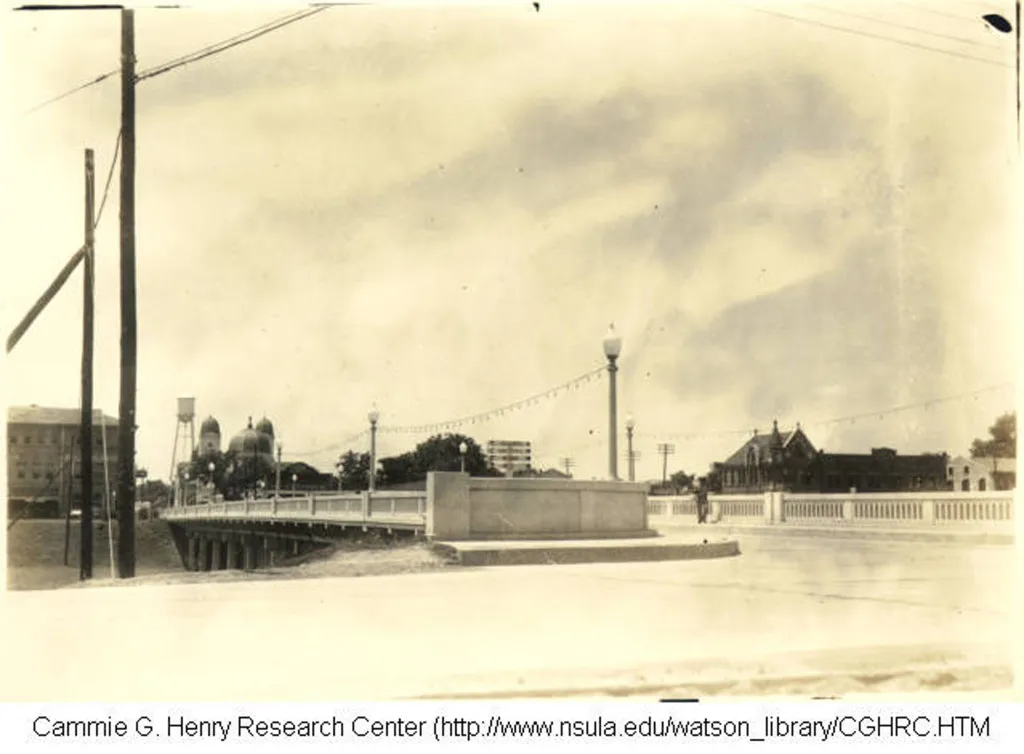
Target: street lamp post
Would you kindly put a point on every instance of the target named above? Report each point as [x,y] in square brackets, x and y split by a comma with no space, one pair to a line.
[277,473]
[462,455]
[211,467]
[612,348]
[373,416]
[630,424]
[295,478]
[184,497]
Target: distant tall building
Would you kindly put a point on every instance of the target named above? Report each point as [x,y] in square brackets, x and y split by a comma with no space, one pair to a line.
[509,456]
[44,457]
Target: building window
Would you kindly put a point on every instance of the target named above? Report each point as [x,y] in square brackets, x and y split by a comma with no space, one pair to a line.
[965,485]
[981,485]
[27,440]
[21,473]
[13,440]
[967,470]
[950,471]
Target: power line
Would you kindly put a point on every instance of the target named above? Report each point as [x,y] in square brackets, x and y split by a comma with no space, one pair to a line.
[69,92]
[850,418]
[110,175]
[336,446]
[870,35]
[500,411]
[909,406]
[191,57]
[227,44]
[908,27]
[935,12]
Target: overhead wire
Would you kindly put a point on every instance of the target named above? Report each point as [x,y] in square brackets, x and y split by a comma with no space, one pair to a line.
[204,52]
[227,44]
[896,25]
[69,92]
[110,175]
[863,33]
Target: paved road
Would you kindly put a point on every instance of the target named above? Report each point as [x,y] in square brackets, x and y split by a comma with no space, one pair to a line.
[861,605]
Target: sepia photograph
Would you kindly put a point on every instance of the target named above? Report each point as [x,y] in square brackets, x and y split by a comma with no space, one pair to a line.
[510,350]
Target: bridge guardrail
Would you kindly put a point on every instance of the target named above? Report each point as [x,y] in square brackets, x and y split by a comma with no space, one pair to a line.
[932,508]
[399,508]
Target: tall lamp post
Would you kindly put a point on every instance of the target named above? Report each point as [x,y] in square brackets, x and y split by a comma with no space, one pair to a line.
[612,349]
[295,478]
[630,425]
[462,455]
[277,473]
[211,467]
[373,416]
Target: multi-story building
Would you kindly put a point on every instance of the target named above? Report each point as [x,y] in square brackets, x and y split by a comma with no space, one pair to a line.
[509,456]
[981,474]
[788,460]
[44,458]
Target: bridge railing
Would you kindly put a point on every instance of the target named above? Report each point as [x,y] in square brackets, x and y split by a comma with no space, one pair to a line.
[404,507]
[938,508]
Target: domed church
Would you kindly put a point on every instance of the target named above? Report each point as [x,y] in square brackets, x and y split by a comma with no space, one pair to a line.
[209,438]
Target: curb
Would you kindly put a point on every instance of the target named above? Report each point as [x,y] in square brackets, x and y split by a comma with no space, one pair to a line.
[506,554]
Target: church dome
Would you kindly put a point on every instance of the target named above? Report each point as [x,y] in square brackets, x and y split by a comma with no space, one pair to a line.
[210,425]
[266,427]
[246,441]
[250,441]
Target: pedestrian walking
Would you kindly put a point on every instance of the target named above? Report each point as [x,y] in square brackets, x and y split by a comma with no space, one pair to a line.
[701,497]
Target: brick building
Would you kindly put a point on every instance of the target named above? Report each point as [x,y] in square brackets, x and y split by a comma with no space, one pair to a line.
[789,461]
[44,458]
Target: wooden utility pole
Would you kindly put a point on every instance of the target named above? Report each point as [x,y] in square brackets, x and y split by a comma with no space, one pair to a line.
[665,449]
[126,409]
[85,548]
[70,489]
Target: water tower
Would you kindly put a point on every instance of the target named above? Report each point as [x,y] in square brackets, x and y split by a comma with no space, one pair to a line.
[184,431]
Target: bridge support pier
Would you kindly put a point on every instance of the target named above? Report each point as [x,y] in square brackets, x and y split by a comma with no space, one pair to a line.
[204,553]
[249,555]
[193,553]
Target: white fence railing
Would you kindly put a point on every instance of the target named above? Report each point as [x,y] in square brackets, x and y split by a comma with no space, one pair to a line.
[904,508]
[384,507]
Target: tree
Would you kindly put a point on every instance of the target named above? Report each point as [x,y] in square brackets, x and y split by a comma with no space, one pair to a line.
[399,470]
[1002,442]
[441,453]
[680,481]
[438,453]
[354,470]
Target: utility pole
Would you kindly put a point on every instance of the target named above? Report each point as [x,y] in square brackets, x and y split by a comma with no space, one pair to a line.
[85,549]
[666,449]
[126,408]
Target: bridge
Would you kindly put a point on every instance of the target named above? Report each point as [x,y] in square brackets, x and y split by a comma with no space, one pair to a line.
[250,534]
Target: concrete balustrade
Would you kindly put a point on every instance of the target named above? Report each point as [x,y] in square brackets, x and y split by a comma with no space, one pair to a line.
[880,509]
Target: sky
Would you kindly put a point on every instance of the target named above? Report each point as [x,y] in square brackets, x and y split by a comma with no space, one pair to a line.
[439,210]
